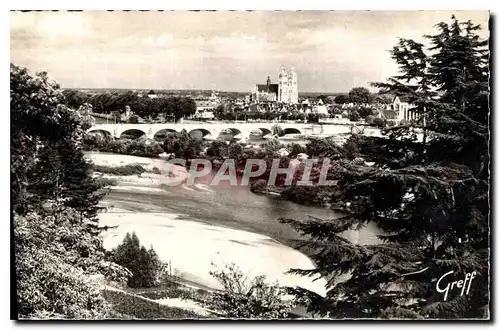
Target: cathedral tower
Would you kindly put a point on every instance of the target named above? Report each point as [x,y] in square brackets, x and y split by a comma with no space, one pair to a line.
[287,86]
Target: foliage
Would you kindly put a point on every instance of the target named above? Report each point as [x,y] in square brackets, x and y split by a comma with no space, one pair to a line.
[138,147]
[183,145]
[309,195]
[270,147]
[217,149]
[364,112]
[430,198]
[235,150]
[55,254]
[323,147]
[369,119]
[354,115]
[379,122]
[241,298]
[136,307]
[342,98]
[142,106]
[296,149]
[360,95]
[55,201]
[259,186]
[277,130]
[146,268]
[129,169]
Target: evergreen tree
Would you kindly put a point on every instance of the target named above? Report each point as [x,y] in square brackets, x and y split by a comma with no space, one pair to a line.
[429,196]
[144,265]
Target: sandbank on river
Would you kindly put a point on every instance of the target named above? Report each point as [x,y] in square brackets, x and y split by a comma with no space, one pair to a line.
[194,226]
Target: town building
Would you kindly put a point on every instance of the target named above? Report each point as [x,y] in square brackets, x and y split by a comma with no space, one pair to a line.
[206,106]
[285,91]
[267,92]
[399,109]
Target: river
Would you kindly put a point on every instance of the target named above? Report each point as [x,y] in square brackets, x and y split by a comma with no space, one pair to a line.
[192,226]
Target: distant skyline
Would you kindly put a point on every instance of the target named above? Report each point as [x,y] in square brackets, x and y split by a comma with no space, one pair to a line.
[331,51]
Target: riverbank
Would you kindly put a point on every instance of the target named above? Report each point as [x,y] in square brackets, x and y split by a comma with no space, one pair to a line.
[188,242]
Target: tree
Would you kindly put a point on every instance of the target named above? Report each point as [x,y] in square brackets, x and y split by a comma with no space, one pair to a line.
[360,95]
[146,267]
[364,111]
[323,147]
[429,197]
[342,98]
[54,200]
[218,149]
[183,145]
[296,149]
[259,186]
[235,150]
[379,122]
[242,298]
[369,119]
[277,130]
[354,115]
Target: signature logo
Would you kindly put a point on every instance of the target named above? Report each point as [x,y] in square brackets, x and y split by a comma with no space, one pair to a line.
[461,284]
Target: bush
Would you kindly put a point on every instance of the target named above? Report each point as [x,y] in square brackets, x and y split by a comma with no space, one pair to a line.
[217,149]
[379,122]
[146,268]
[142,308]
[183,145]
[242,298]
[270,147]
[277,130]
[55,254]
[369,119]
[258,186]
[296,149]
[323,147]
[354,116]
[235,150]
[119,170]
[138,147]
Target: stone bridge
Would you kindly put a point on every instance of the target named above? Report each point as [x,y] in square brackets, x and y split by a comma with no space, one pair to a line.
[215,130]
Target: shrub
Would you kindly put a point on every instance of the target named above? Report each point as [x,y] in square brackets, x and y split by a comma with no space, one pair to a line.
[242,298]
[354,116]
[235,150]
[323,147]
[277,130]
[369,119]
[258,186]
[217,149]
[130,169]
[296,149]
[146,268]
[270,147]
[379,122]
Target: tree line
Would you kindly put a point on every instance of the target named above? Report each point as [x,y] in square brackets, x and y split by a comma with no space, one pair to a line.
[142,106]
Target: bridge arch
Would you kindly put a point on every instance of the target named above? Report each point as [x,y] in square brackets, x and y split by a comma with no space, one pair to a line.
[100,132]
[229,134]
[132,133]
[162,133]
[291,130]
[265,131]
[235,131]
[200,133]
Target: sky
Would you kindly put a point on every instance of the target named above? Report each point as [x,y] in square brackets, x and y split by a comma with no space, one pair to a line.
[331,51]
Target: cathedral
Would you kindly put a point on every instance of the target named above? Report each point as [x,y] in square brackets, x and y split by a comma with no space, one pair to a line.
[285,91]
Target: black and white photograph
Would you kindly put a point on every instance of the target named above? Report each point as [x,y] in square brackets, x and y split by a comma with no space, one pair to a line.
[250,165]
